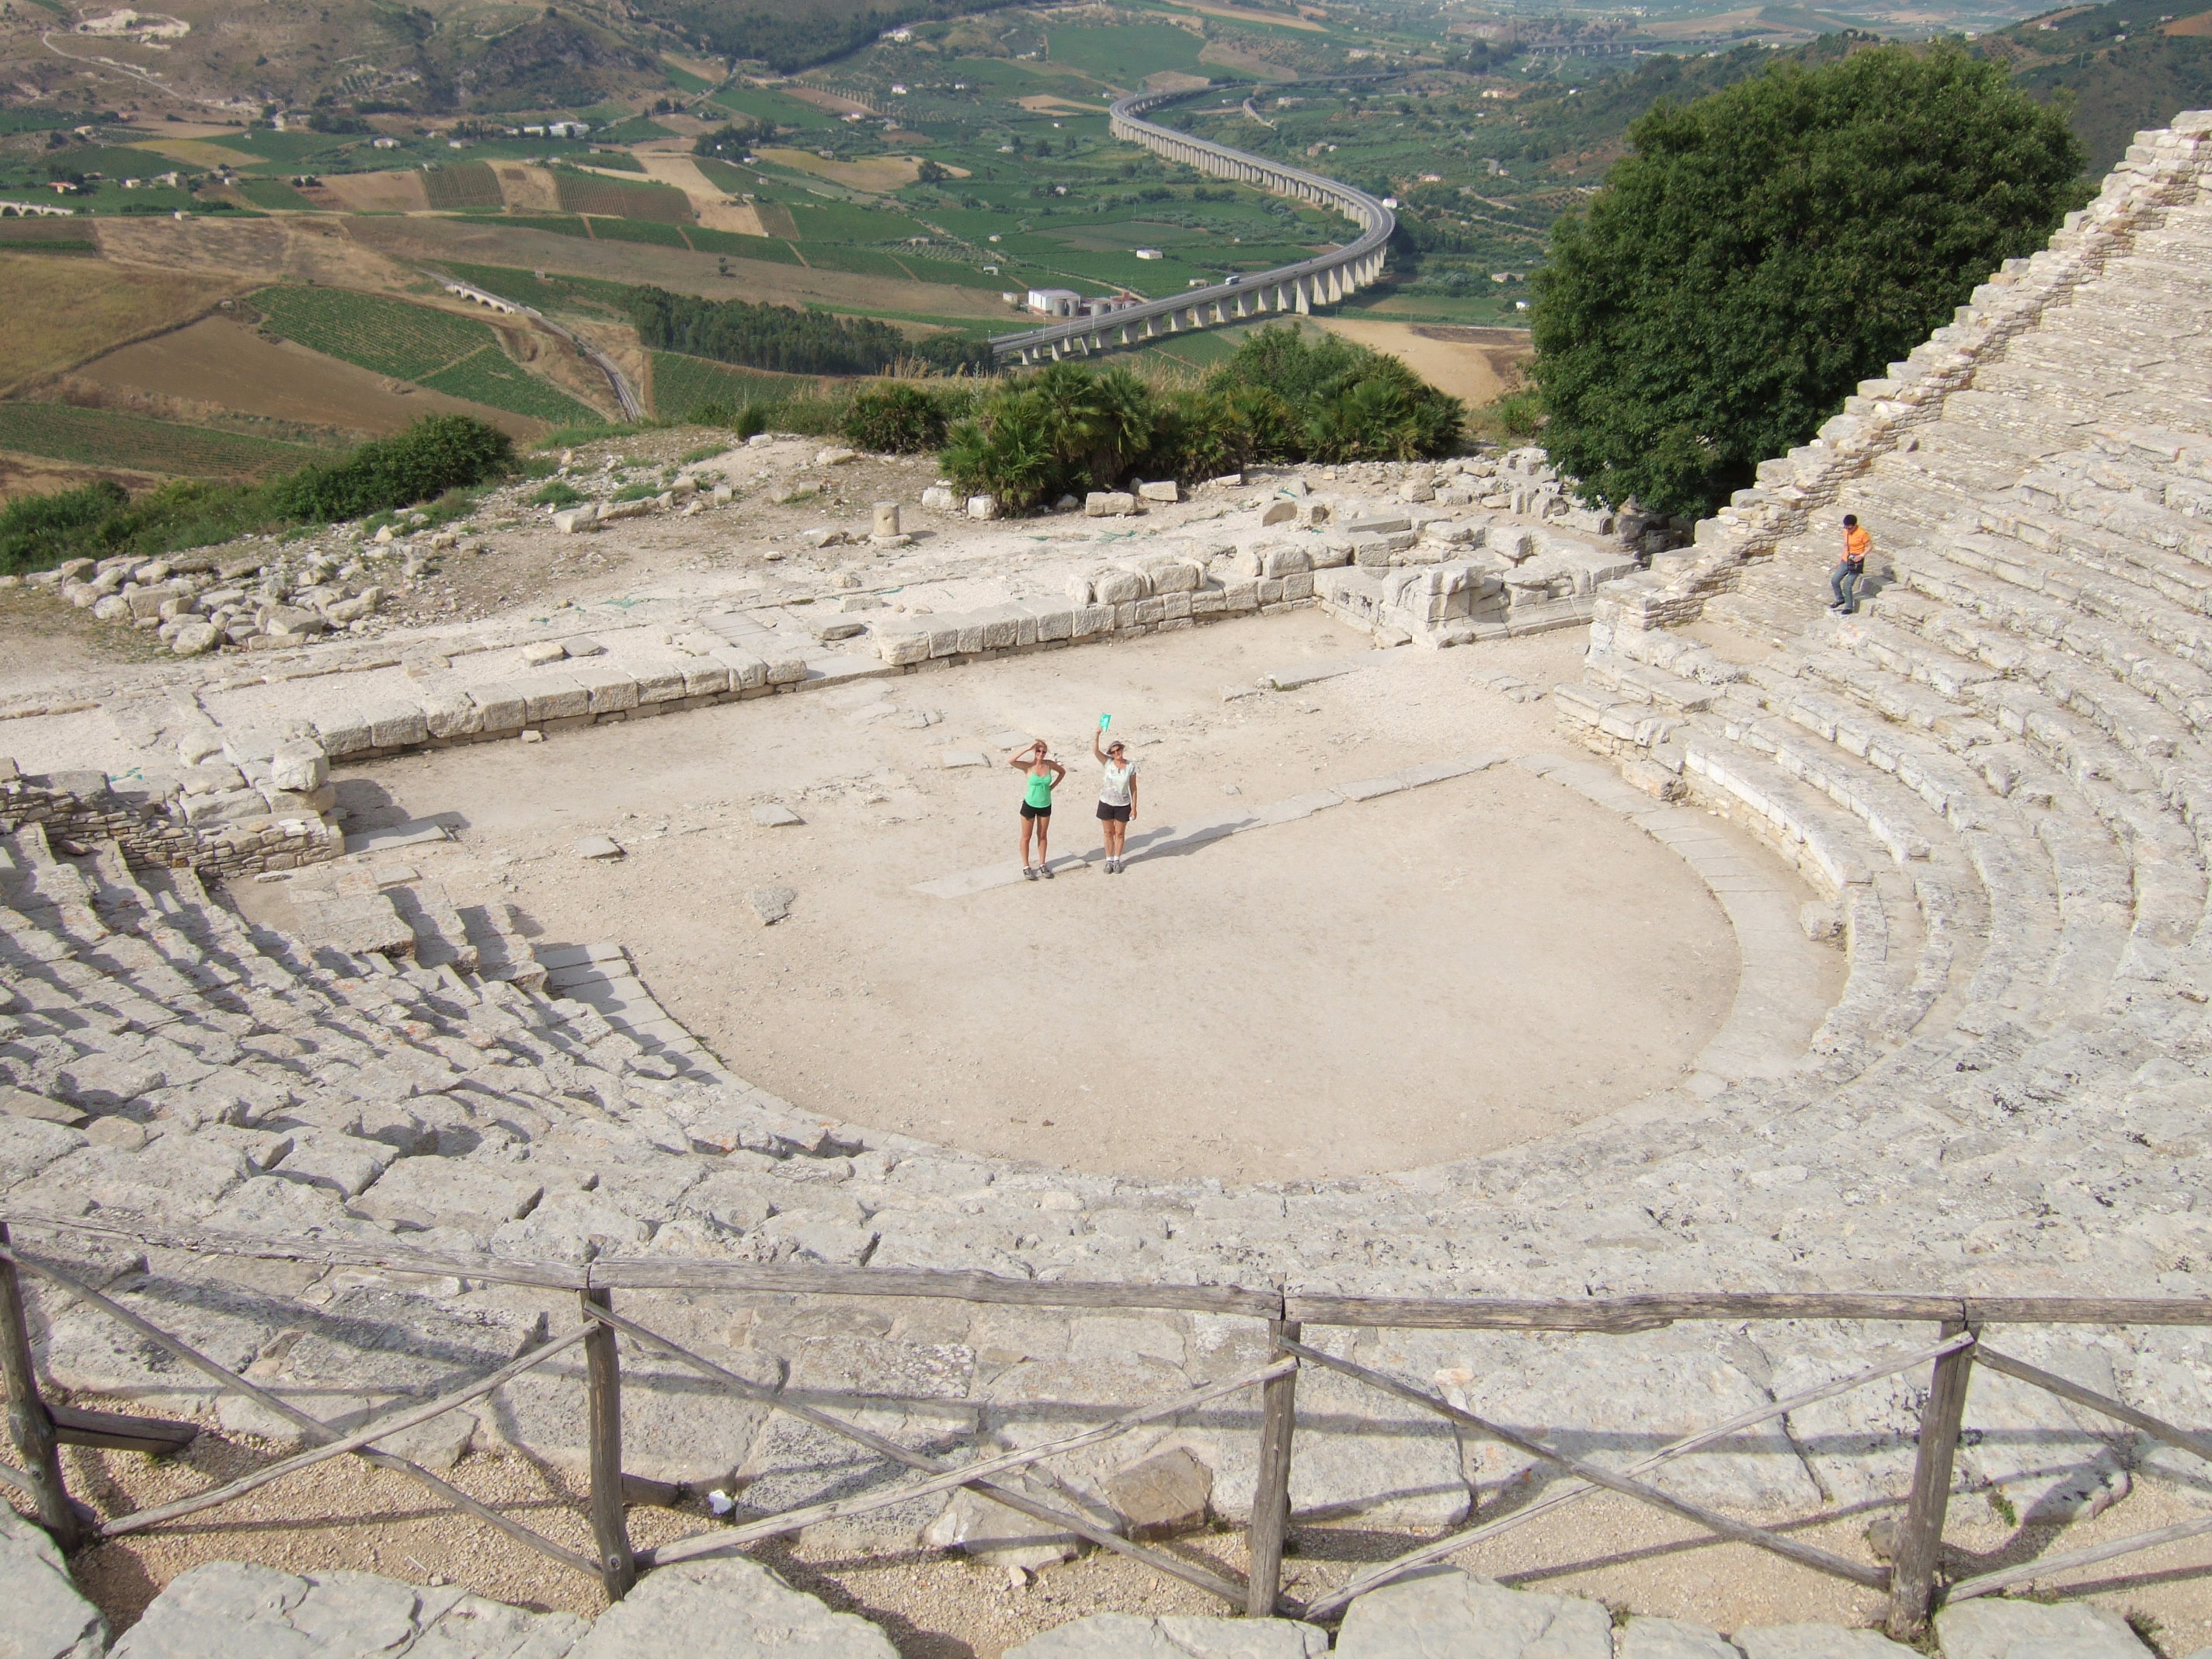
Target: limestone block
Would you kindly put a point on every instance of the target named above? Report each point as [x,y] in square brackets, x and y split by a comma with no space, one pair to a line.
[1175,1636]
[1240,593]
[1004,1537]
[608,690]
[732,1606]
[1670,1638]
[1442,1610]
[570,520]
[1162,1495]
[886,519]
[786,670]
[1079,590]
[433,1191]
[659,679]
[195,639]
[538,653]
[1816,1641]
[1163,490]
[1277,512]
[1283,561]
[1092,620]
[1991,1628]
[1109,504]
[1169,574]
[47,1618]
[396,726]
[1054,625]
[343,733]
[231,1610]
[1330,554]
[938,499]
[298,765]
[502,707]
[554,697]
[903,645]
[983,507]
[1119,587]
[1299,585]
[722,671]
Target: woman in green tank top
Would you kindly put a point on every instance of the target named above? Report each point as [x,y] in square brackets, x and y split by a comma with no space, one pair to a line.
[1043,774]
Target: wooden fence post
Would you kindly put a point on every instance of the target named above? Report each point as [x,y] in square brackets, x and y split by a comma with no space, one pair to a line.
[602,1394]
[1271,1491]
[1920,1533]
[32,1430]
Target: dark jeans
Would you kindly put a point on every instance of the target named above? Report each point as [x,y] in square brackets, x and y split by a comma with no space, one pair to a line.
[1843,583]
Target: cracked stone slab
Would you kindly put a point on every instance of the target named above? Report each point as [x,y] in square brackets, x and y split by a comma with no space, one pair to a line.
[1175,1635]
[46,1618]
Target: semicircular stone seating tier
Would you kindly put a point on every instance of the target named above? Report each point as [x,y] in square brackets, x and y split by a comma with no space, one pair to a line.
[1995,773]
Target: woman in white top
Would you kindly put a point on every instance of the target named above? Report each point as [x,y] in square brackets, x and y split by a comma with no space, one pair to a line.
[1117,799]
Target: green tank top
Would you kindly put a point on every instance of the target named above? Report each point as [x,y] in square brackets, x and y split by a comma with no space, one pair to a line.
[1040,789]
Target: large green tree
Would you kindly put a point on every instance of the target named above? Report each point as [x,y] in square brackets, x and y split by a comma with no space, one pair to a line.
[1763,250]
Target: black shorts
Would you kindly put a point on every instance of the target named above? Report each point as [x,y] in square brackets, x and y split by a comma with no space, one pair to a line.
[1112,814]
[1029,812]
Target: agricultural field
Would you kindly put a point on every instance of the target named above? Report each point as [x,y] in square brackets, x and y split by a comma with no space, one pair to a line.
[461,186]
[103,438]
[489,376]
[62,312]
[682,384]
[457,356]
[276,195]
[619,198]
[390,337]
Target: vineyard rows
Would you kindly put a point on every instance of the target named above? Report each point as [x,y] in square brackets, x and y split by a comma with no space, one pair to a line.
[101,437]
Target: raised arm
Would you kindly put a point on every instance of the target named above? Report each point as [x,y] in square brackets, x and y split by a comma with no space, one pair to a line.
[1100,754]
[1022,759]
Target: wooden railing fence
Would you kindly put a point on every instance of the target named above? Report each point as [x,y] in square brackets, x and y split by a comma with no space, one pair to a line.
[1911,1581]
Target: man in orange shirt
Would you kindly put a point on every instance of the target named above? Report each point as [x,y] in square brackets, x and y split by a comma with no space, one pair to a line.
[1844,581]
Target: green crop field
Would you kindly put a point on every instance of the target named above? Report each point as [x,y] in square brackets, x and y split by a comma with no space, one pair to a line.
[638,230]
[619,199]
[564,225]
[99,437]
[389,337]
[491,376]
[274,195]
[461,185]
[1123,55]
[682,384]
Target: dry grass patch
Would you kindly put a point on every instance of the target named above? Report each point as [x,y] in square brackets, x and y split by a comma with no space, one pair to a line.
[61,312]
[879,173]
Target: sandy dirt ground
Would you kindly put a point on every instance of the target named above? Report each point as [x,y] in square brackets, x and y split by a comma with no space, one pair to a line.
[295,247]
[1477,371]
[217,361]
[345,1514]
[373,192]
[708,199]
[1310,999]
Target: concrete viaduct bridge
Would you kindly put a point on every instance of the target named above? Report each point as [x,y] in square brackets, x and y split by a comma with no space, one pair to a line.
[1321,280]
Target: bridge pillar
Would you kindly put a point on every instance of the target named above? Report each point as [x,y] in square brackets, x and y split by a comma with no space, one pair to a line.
[1219,315]
[1125,334]
[1306,297]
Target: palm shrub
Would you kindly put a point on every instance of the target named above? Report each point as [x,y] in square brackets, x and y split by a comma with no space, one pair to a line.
[902,417]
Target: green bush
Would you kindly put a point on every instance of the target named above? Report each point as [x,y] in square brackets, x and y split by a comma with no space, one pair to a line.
[1066,429]
[559,493]
[34,524]
[1328,399]
[435,454]
[434,460]
[1764,249]
[904,417]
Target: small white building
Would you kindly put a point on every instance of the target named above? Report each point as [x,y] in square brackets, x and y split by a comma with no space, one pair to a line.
[1055,301]
[1149,253]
